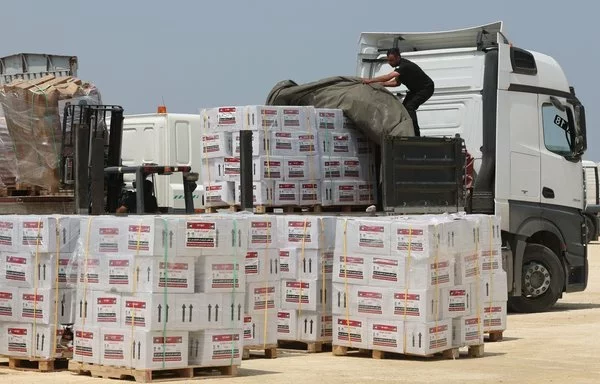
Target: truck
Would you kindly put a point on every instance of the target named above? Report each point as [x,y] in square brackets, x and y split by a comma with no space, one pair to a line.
[522,123]
[592,198]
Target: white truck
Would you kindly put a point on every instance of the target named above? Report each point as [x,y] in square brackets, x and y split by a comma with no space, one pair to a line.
[592,197]
[525,127]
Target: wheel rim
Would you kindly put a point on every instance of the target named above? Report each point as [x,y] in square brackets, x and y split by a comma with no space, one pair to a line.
[536,279]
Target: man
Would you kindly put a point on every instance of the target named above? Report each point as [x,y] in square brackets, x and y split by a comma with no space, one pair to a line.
[129,204]
[420,86]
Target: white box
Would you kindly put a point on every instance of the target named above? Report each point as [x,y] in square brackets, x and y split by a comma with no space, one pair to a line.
[150,274]
[287,324]
[352,169]
[219,194]
[233,310]
[313,326]
[417,239]
[23,340]
[25,270]
[351,269]
[283,144]
[288,263]
[149,236]
[207,235]
[106,309]
[386,272]
[287,193]
[116,347]
[211,170]
[232,167]
[467,268]
[386,335]
[435,273]
[9,233]
[216,144]
[416,305]
[40,307]
[329,119]
[92,276]
[9,303]
[84,307]
[148,311]
[261,143]
[493,287]
[331,167]
[494,316]
[456,301]
[467,330]
[308,232]
[48,234]
[491,261]
[337,144]
[306,295]
[262,193]
[315,264]
[298,118]
[262,118]
[306,143]
[364,301]
[86,344]
[350,332]
[367,193]
[260,329]
[262,297]
[263,232]
[344,192]
[261,265]
[221,347]
[428,338]
[105,235]
[226,118]
[301,168]
[310,192]
[268,168]
[158,349]
[363,236]
[196,311]
[221,274]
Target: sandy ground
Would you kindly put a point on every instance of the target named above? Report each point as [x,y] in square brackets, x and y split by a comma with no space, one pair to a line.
[556,347]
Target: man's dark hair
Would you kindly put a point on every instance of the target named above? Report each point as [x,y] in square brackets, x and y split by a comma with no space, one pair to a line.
[393,51]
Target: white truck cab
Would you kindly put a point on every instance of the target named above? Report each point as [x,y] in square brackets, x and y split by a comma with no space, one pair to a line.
[523,124]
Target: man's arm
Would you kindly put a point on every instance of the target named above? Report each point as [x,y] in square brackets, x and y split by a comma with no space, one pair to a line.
[391,83]
[122,209]
[382,78]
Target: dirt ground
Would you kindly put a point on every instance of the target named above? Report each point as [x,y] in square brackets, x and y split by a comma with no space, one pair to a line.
[553,347]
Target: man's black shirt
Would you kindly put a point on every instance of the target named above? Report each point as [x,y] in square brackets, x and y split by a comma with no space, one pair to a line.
[412,76]
[150,203]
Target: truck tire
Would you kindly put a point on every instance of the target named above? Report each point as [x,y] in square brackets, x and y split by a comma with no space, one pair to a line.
[543,281]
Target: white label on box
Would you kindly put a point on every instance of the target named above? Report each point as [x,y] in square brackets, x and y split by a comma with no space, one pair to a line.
[107,309]
[350,332]
[387,271]
[32,233]
[282,143]
[261,233]
[292,118]
[119,272]
[371,236]
[167,350]
[16,269]
[225,276]
[216,145]
[264,298]
[332,169]
[8,235]
[174,275]
[7,304]
[491,261]
[351,169]
[33,307]
[369,302]
[225,347]
[86,346]
[296,169]
[471,266]
[109,239]
[345,193]
[297,292]
[310,193]
[270,169]
[408,305]
[307,143]
[139,238]
[252,264]
[18,340]
[286,325]
[351,268]
[386,336]
[299,232]
[231,168]
[329,119]
[227,116]
[116,347]
[203,235]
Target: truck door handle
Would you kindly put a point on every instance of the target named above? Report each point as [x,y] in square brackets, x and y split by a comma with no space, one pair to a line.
[547,193]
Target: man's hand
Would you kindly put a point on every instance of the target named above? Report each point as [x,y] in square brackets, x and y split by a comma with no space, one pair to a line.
[367,81]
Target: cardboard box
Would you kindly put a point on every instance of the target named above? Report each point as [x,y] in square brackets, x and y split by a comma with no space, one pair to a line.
[491,261]
[416,305]
[105,234]
[337,144]
[301,168]
[209,235]
[467,330]
[221,274]
[261,143]
[26,270]
[352,169]
[367,192]
[263,232]
[262,297]
[363,236]
[331,167]
[307,232]
[8,304]
[307,143]
[456,301]
[428,338]
[489,228]
[329,119]
[158,349]
[106,309]
[215,348]
[84,307]
[351,269]
[433,274]
[211,170]
[283,144]
[260,329]
[350,332]
[287,193]
[493,287]
[268,168]
[216,144]
[150,274]
[149,236]
[364,301]
[418,239]
[196,311]
[261,265]
[23,340]
[48,234]
[314,326]
[387,272]
[219,194]
[386,335]
[298,118]
[288,265]
[310,192]
[306,295]
[315,264]
[148,311]
[494,316]
[227,118]
[87,344]
[467,268]
[263,118]
[263,193]
[40,308]
[9,233]
[287,324]
[344,192]
[116,347]
[233,310]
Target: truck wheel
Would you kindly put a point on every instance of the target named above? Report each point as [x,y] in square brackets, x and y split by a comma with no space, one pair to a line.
[543,281]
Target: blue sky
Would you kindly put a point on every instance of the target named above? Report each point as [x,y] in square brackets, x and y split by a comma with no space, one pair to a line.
[206,53]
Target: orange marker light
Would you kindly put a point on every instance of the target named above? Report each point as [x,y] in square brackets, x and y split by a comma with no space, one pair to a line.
[161,109]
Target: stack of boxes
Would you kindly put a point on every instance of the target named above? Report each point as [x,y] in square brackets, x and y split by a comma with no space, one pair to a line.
[306,262]
[36,285]
[397,286]
[302,156]
[158,292]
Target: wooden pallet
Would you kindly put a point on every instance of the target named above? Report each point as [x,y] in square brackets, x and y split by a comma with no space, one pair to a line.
[308,346]
[37,364]
[494,336]
[270,351]
[232,208]
[263,209]
[451,353]
[151,375]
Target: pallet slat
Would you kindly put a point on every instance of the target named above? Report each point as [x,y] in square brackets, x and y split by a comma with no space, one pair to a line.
[308,346]
[270,350]
[450,353]
[495,336]
[36,364]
